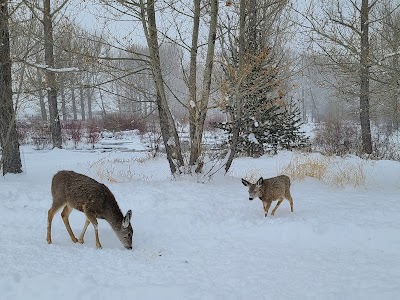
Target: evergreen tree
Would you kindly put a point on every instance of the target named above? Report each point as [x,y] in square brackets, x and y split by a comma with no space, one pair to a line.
[268,127]
[259,118]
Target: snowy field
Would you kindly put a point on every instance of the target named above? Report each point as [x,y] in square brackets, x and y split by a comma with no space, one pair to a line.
[196,240]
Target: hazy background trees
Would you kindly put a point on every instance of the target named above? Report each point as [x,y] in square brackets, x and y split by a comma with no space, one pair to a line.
[184,64]
[352,47]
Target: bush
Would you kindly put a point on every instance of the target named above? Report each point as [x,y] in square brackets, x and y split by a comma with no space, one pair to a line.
[40,134]
[334,137]
[92,133]
[23,132]
[75,131]
[384,145]
[116,122]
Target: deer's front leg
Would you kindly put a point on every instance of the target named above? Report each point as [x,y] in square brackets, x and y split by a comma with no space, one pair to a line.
[91,217]
[266,207]
[80,240]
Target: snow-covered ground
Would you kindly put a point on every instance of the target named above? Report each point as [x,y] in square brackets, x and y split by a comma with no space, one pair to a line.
[196,240]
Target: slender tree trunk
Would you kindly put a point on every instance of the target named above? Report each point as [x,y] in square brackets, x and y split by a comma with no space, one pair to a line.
[50,75]
[192,82]
[73,100]
[42,103]
[167,124]
[202,107]
[395,95]
[82,100]
[10,158]
[238,101]
[89,97]
[364,76]
[103,108]
[63,104]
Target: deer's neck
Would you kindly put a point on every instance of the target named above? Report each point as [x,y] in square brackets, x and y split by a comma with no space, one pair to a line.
[115,219]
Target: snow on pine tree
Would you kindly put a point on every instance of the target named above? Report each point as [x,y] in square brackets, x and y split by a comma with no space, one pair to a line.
[268,126]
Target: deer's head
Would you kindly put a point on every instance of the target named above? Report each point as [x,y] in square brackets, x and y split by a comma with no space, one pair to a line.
[255,189]
[125,232]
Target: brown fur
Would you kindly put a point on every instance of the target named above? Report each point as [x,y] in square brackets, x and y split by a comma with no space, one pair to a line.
[71,190]
[269,190]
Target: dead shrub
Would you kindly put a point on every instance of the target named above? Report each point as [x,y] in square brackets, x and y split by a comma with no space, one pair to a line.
[92,133]
[116,122]
[335,137]
[301,167]
[75,131]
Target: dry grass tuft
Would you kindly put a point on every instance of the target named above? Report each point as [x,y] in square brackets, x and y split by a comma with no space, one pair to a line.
[333,172]
[118,169]
[301,167]
[348,174]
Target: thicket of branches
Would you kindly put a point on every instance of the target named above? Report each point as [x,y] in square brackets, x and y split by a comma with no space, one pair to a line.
[234,58]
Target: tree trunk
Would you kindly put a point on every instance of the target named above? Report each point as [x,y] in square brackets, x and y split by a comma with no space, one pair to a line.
[167,124]
[201,108]
[364,76]
[395,94]
[41,96]
[63,105]
[192,82]
[82,98]
[10,158]
[50,75]
[89,96]
[73,100]
[238,101]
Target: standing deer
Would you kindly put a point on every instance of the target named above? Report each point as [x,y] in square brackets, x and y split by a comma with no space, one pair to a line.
[269,190]
[72,190]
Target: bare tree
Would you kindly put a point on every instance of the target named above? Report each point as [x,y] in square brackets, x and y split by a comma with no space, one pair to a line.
[167,124]
[237,98]
[10,158]
[198,106]
[197,102]
[386,72]
[341,30]
[46,19]
[55,124]
[365,76]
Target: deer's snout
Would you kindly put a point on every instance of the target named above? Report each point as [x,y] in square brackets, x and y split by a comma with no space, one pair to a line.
[128,247]
[251,198]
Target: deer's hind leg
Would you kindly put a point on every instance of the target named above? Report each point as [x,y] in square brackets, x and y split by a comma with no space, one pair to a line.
[50,215]
[288,196]
[65,214]
[277,205]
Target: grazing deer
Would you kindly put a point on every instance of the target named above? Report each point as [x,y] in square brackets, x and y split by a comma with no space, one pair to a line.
[269,190]
[72,190]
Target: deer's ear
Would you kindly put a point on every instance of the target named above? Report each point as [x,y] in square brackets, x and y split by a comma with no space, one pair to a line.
[127,219]
[260,181]
[245,182]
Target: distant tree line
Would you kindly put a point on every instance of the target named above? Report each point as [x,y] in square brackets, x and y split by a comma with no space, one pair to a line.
[235,58]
